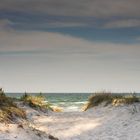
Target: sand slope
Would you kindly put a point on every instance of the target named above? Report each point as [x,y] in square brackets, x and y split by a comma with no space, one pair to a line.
[100,123]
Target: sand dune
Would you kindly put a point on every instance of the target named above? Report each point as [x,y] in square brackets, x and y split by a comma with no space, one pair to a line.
[100,123]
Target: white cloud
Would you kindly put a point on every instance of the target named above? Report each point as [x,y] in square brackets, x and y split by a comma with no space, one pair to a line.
[123,23]
[57,44]
[56,24]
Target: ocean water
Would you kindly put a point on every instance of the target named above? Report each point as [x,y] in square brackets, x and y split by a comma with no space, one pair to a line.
[68,101]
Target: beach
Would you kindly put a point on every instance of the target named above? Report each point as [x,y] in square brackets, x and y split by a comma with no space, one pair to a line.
[98,123]
[101,123]
[69,69]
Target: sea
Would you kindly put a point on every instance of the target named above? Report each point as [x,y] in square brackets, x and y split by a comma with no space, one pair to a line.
[68,101]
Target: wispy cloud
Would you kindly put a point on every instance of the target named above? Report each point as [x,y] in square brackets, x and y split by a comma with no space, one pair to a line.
[33,42]
[124,23]
[34,21]
[42,15]
[94,8]
[31,60]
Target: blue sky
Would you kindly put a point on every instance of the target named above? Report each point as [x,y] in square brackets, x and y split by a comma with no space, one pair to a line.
[70,46]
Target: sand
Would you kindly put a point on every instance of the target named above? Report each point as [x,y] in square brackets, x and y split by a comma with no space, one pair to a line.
[99,123]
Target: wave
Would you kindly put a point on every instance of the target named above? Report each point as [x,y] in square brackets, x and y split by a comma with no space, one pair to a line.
[70,106]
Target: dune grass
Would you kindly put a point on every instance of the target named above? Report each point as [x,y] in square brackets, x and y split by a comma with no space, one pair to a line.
[37,102]
[9,111]
[109,98]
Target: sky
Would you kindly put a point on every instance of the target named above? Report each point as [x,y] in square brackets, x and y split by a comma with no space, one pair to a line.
[70,46]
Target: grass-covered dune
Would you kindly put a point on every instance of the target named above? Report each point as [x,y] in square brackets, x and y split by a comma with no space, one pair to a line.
[110,98]
[16,121]
[9,111]
[36,102]
[39,102]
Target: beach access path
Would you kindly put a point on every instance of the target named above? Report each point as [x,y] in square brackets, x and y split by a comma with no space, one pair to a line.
[98,123]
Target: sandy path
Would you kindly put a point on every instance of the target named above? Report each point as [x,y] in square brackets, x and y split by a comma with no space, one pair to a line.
[102,123]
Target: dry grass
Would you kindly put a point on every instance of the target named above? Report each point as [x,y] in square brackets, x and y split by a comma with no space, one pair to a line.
[109,98]
[36,102]
[39,102]
[9,111]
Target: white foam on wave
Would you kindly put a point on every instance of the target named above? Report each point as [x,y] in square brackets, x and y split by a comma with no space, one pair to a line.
[75,106]
[70,106]
[71,109]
